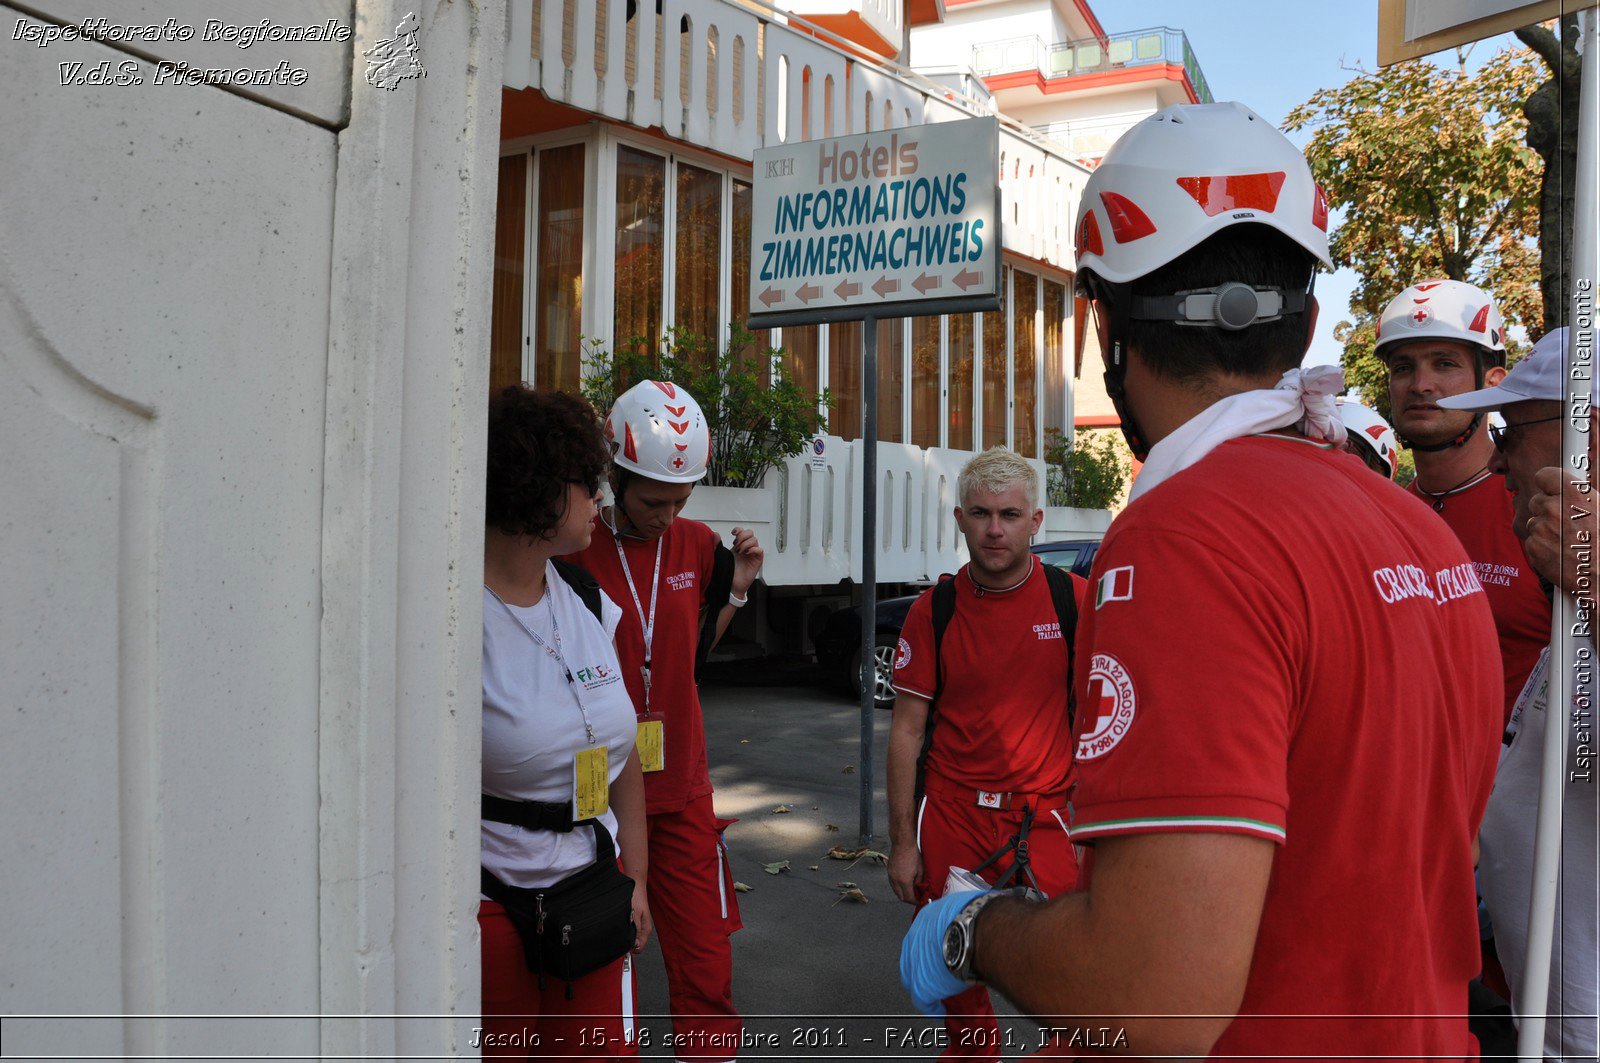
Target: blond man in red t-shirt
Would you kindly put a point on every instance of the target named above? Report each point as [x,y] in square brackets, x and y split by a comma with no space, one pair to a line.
[990,697]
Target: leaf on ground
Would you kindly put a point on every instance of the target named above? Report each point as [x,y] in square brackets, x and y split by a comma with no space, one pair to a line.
[854,896]
[849,769]
[744,741]
[781,809]
[845,886]
[839,852]
[740,887]
[833,828]
[813,867]
[776,866]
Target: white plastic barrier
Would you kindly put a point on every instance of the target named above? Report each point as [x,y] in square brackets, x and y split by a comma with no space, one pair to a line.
[900,483]
[943,548]
[809,541]
[727,508]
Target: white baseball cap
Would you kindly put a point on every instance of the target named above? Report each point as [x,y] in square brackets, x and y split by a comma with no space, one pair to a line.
[1539,376]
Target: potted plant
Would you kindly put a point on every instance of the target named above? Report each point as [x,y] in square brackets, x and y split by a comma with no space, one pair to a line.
[1086,480]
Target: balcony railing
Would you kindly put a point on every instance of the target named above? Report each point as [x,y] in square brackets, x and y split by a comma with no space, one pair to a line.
[1093,55]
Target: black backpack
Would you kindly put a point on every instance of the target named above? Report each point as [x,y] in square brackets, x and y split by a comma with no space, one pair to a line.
[944,609]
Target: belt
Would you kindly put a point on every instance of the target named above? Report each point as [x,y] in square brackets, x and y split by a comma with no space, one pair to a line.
[530,815]
[998,800]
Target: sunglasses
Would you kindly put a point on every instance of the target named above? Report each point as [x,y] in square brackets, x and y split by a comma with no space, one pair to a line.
[1502,434]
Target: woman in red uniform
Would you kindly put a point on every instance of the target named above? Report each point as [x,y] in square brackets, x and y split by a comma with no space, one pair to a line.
[678,587]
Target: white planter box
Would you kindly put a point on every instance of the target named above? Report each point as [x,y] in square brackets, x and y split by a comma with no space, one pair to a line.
[1065,522]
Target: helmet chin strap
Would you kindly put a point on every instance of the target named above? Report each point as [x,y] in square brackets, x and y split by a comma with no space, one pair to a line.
[1433,448]
[1115,298]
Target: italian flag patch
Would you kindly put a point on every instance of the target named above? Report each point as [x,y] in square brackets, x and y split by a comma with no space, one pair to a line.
[1115,586]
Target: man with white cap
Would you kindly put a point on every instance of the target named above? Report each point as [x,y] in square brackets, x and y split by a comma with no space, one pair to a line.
[1440,338]
[1280,811]
[1528,453]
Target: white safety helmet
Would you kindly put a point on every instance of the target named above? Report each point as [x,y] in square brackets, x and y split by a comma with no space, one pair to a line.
[657,430]
[1366,428]
[1185,173]
[1444,310]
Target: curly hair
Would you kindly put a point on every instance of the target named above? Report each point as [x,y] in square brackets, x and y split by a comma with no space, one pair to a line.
[539,442]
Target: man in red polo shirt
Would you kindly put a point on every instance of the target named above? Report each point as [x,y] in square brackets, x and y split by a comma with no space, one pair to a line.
[999,761]
[1288,686]
[1442,338]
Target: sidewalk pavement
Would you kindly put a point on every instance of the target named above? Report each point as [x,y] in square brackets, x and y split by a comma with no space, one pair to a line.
[816,976]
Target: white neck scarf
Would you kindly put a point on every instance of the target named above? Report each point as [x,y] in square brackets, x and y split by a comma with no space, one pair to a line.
[1304,398]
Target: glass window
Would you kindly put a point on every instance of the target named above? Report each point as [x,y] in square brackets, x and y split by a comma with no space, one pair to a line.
[925,381]
[961,390]
[641,232]
[844,377]
[994,373]
[891,380]
[698,273]
[1055,356]
[800,359]
[739,286]
[510,273]
[558,293]
[1024,380]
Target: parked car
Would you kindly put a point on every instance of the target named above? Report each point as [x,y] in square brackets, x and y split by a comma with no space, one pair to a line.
[839,642]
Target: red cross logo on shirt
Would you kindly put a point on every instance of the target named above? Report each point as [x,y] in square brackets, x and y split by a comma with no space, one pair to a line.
[1106,706]
[1114,706]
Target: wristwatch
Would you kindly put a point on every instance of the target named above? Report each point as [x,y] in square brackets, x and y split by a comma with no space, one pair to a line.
[960,941]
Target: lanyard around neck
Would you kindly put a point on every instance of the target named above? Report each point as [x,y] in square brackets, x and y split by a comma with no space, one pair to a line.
[647,623]
[554,652]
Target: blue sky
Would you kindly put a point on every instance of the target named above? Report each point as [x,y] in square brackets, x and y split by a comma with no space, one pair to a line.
[1271,56]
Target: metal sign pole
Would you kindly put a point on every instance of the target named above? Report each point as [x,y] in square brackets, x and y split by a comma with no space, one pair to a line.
[1535,1003]
[869,563]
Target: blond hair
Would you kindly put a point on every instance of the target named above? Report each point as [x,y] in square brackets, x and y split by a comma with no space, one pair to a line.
[997,469]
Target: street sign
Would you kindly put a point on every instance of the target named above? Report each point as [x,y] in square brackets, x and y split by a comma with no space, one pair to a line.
[1411,28]
[888,224]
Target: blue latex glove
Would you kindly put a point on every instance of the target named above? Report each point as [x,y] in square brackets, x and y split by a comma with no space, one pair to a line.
[922,967]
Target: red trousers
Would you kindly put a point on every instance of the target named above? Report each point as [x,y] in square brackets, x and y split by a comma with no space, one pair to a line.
[695,908]
[523,1021]
[953,831]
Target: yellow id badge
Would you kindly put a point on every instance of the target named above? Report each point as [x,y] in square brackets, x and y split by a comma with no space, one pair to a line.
[652,744]
[591,794]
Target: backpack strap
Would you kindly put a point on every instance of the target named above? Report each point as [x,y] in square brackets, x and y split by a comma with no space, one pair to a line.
[718,588]
[1066,603]
[585,586]
[944,608]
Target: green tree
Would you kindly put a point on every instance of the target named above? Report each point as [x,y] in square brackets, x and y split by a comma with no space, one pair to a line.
[1430,168]
[755,422]
[1089,472]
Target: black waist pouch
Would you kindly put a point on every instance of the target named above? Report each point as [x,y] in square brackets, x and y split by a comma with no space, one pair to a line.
[576,926]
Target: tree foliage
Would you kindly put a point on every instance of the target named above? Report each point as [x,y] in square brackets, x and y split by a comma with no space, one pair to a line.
[755,422]
[1430,169]
[1090,471]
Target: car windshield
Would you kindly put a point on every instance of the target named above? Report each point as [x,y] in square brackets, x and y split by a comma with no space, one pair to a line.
[1065,558]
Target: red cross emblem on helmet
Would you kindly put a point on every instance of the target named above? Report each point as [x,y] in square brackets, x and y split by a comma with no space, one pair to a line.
[1421,315]
[677,463]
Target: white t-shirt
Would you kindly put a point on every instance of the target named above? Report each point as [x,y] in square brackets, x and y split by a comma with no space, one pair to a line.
[533,729]
[1506,874]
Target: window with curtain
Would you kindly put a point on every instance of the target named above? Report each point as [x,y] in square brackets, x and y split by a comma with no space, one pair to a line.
[844,377]
[698,289]
[1024,366]
[994,372]
[640,244]
[891,380]
[510,273]
[1055,356]
[558,290]
[739,283]
[962,403]
[800,361]
[925,381]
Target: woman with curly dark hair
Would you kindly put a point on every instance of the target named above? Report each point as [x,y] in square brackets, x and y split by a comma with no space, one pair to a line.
[561,774]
